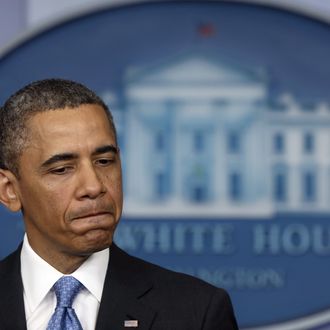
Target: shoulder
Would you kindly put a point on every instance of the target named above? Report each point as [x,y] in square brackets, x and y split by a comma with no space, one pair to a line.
[170,285]
[11,263]
[159,275]
[180,299]
[10,274]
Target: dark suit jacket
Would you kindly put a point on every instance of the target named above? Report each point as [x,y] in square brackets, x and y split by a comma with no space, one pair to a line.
[134,289]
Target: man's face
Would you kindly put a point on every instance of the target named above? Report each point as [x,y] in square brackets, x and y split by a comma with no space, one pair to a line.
[70,184]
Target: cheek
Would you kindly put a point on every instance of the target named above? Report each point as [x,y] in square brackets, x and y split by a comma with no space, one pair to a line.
[55,204]
[59,202]
[48,203]
[118,185]
[118,195]
[39,210]
[115,188]
[31,197]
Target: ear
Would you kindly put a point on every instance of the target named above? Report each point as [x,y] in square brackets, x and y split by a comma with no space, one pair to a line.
[8,191]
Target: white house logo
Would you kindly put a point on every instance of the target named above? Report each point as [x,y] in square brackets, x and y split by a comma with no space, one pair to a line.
[204,138]
[223,121]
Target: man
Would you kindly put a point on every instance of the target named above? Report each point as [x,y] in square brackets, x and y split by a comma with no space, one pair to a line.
[60,165]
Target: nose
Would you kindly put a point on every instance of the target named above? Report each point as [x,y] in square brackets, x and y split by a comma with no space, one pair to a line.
[90,184]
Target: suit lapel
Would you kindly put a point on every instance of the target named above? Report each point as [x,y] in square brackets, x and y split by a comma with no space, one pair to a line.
[12,314]
[123,293]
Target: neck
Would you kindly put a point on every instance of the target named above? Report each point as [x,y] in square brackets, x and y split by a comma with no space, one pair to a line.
[66,263]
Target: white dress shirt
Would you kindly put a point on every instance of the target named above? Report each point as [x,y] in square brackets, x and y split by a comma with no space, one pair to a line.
[39,298]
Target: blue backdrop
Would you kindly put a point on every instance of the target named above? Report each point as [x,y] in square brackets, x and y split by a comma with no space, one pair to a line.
[219,94]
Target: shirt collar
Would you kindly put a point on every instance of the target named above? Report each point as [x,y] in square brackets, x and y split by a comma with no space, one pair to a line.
[39,277]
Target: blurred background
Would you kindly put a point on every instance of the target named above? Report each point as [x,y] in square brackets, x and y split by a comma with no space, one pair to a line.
[223,118]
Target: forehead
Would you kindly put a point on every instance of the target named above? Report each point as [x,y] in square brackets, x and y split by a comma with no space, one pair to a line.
[83,125]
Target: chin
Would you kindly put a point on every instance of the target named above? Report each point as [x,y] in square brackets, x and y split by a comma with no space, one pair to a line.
[95,241]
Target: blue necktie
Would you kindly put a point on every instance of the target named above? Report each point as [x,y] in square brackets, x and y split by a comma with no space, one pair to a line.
[64,317]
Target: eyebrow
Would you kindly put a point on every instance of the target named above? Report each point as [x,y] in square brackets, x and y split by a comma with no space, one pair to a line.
[70,156]
[105,149]
[58,158]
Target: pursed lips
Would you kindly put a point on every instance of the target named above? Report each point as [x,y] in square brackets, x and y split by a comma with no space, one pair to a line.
[91,212]
[90,215]
[88,221]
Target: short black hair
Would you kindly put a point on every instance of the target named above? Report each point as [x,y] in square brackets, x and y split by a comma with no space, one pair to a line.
[39,96]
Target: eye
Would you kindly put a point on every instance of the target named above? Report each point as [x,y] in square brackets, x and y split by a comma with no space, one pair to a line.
[105,161]
[60,170]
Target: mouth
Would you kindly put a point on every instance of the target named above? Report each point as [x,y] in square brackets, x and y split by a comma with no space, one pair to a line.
[90,211]
[95,220]
[90,215]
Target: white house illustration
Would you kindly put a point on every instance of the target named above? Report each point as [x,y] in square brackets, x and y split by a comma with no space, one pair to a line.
[201,138]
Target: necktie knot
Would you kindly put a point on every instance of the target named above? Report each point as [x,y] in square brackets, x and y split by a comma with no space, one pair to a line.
[66,289]
[64,317]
